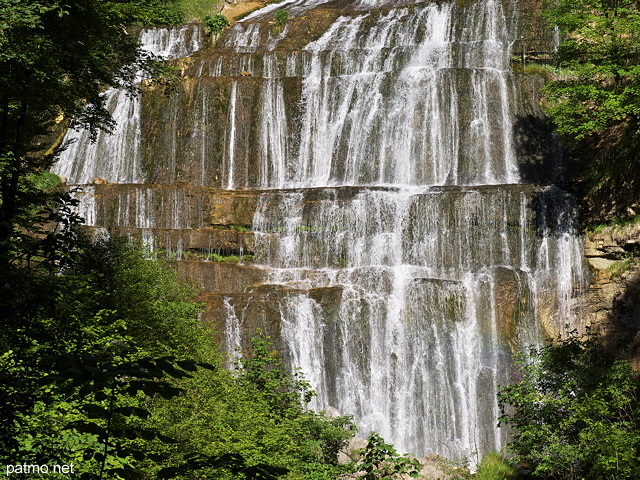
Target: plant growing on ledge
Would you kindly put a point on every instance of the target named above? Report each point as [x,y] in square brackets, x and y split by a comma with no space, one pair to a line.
[216,23]
[281,17]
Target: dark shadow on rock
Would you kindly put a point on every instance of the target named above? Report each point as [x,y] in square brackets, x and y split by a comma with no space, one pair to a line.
[540,156]
[621,329]
[556,213]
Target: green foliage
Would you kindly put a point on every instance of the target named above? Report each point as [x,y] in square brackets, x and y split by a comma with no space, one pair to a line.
[264,370]
[90,333]
[621,266]
[281,16]
[149,12]
[380,461]
[495,467]
[575,414]
[57,58]
[258,414]
[199,8]
[216,23]
[154,305]
[228,258]
[101,419]
[544,71]
[96,408]
[600,52]
[44,181]
[69,315]
[614,224]
[228,462]
[240,228]
[331,434]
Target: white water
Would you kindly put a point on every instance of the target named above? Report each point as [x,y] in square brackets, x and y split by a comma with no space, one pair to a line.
[401,299]
[116,156]
[416,347]
[381,101]
[415,351]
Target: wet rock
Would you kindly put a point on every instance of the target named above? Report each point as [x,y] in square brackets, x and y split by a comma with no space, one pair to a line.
[331,412]
[435,467]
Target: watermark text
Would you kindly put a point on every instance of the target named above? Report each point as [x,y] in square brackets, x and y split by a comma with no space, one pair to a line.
[38,469]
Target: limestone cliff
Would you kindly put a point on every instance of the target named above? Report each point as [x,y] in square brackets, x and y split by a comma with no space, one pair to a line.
[612,303]
[372,184]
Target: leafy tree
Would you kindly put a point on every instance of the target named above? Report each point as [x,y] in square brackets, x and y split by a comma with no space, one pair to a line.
[264,370]
[56,59]
[88,333]
[154,306]
[265,421]
[576,412]
[600,84]
[78,386]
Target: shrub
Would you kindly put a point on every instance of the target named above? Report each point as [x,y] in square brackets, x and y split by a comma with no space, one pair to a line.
[575,414]
[216,23]
[495,467]
[380,461]
[281,17]
[198,8]
[258,411]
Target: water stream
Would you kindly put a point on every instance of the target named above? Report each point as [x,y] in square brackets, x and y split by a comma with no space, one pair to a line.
[116,155]
[410,256]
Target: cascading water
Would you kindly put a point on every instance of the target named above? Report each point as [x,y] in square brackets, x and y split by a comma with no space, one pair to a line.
[394,228]
[415,100]
[383,98]
[116,155]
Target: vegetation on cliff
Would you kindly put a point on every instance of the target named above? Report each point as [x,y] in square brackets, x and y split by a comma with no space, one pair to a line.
[576,412]
[594,99]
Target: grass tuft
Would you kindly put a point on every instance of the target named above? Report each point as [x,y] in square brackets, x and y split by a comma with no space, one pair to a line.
[199,8]
[495,467]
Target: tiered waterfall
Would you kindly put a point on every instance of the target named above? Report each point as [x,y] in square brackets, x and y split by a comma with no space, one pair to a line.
[376,166]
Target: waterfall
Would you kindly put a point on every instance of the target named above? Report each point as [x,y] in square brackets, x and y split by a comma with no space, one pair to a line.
[439,256]
[418,346]
[378,91]
[402,251]
[115,156]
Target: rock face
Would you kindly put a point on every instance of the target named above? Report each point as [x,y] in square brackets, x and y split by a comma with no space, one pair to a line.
[612,304]
[373,170]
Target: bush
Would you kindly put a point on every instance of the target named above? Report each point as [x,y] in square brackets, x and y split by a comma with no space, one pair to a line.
[575,413]
[145,13]
[259,412]
[380,461]
[281,17]
[199,8]
[216,23]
